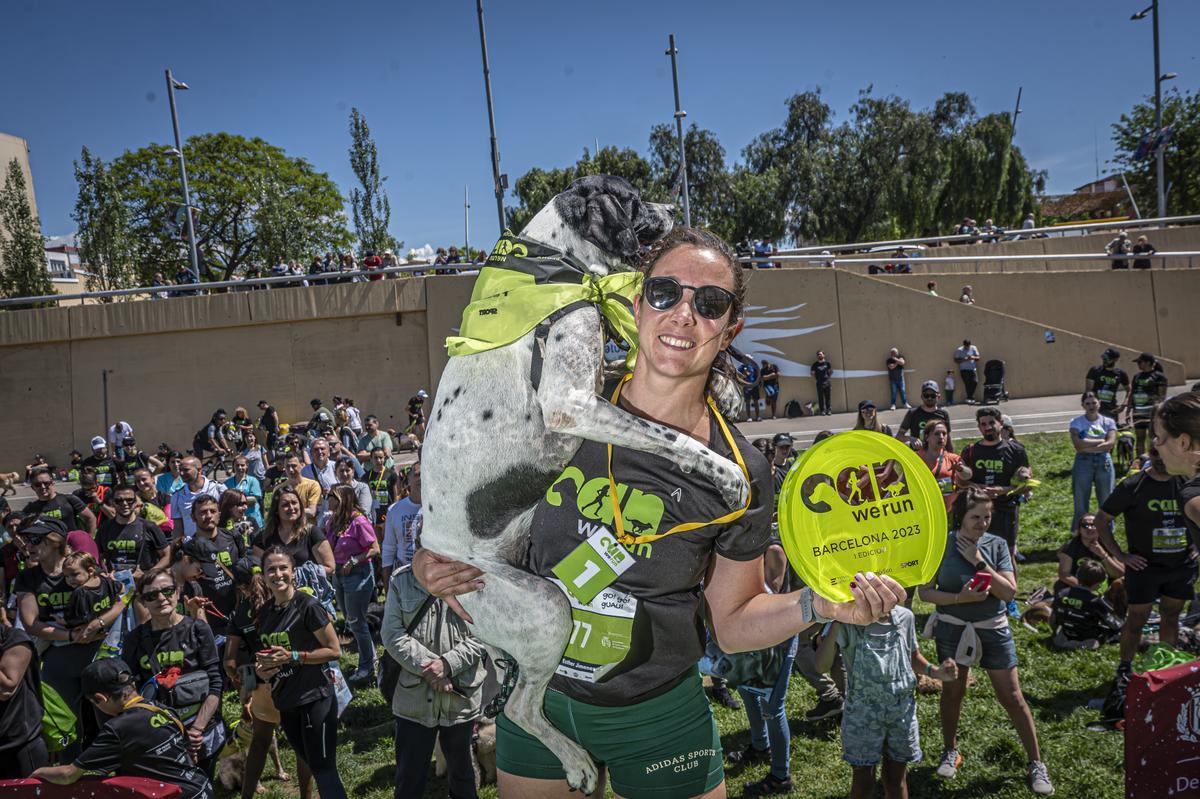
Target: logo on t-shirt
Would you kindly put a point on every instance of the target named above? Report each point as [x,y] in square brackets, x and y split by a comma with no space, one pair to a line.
[641,512]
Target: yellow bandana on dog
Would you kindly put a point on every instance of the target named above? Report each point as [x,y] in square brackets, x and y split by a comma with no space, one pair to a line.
[524,283]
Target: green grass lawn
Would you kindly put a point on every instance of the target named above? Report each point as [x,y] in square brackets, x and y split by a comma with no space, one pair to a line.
[1057,687]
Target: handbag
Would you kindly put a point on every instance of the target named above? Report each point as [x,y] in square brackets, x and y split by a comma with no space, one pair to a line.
[389,667]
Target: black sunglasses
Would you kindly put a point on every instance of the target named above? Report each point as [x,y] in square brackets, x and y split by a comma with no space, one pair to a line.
[663,293]
[155,593]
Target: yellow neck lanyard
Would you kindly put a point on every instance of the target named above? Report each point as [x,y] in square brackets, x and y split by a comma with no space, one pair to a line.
[619,523]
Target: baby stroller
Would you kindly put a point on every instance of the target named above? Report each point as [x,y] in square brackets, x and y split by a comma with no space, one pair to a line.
[993,382]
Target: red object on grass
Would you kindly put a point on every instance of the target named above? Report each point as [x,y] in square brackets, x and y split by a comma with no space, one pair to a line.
[1162,734]
[90,788]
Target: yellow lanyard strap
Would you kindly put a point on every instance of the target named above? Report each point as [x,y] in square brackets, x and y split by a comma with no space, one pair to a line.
[619,523]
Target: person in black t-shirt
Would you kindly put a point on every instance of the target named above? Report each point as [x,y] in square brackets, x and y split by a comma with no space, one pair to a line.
[96,599]
[22,749]
[1085,544]
[214,551]
[1082,619]
[298,639]
[998,468]
[140,740]
[1147,389]
[129,542]
[105,465]
[822,372]
[270,423]
[171,646]
[71,510]
[1158,561]
[928,411]
[1105,380]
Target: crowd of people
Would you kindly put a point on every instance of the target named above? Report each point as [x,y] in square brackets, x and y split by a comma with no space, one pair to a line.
[133,605]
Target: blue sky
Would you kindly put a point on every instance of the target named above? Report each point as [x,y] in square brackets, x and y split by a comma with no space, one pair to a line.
[564,74]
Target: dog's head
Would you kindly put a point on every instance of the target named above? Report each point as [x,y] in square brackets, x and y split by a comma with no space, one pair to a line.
[604,212]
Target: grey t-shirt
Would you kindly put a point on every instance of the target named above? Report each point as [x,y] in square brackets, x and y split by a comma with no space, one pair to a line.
[955,572]
[882,651]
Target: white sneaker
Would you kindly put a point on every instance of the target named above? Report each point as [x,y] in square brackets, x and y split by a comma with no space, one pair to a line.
[951,760]
[892,408]
[1039,779]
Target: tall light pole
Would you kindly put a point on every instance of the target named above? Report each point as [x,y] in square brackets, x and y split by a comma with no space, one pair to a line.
[172,85]
[679,115]
[500,180]
[1159,77]
[466,222]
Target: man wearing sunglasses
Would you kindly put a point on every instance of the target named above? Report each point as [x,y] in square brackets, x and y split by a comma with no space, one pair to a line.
[128,542]
[71,510]
[928,411]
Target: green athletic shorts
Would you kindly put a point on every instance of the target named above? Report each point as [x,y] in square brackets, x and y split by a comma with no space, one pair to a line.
[663,747]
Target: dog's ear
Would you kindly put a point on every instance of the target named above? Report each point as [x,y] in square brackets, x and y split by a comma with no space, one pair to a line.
[608,211]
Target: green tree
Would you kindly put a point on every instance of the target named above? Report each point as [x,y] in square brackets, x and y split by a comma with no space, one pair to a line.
[105,246]
[369,204]
[256,205]
[1181,160]
[709,190]
[23,271]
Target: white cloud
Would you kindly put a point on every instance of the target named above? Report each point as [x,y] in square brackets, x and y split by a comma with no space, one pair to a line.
[424,253]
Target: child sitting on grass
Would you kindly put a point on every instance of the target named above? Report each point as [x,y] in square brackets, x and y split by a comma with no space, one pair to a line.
[879,721]
[1081,618]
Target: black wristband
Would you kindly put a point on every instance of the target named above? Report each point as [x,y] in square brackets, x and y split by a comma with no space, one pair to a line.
[981,566]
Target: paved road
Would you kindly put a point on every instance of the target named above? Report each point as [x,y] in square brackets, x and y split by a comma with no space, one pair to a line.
[1035,415]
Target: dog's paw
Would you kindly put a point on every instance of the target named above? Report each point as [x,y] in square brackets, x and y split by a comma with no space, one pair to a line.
[582,775]
[734,489]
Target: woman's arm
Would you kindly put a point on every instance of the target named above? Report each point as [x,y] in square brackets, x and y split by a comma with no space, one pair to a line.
[330,649]
[323,555]
[27,608]
[233,643]
[745,618]
[1065,562]
[1004,585]
[1108,443]
[13,665]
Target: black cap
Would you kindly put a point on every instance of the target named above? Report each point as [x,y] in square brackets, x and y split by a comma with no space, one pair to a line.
[866,404]
[246,568]
[41,526]
[1110,354]
[204,552]
[782,440]
[1145,356]
[105,676]
[316,403]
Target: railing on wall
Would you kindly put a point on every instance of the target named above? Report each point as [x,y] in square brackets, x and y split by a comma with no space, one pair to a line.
[1011,234]
[912,260]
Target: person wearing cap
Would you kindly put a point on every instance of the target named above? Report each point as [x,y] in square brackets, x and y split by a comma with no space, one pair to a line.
[416,415]
[43,595]
[1119,246]
[928,411]
[139,740]
[170,647]
[1105,380]
[868,419]
[822,372]
[783,458]
[321,417]
[1147,388]
[68,508]
[104,464]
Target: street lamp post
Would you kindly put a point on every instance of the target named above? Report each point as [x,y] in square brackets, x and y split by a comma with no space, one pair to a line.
[1159,77]
[501,181]
[679,115]
[172,85]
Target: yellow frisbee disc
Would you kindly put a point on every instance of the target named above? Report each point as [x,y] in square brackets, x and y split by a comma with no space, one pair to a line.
[861,502]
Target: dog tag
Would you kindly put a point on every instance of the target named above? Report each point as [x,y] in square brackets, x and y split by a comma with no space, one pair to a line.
[593,566]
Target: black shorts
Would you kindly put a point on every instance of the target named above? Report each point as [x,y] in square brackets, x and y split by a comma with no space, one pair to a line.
[1005,523]
[1146,585]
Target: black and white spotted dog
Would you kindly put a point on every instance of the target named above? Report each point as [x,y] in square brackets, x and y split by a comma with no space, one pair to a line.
[495,445]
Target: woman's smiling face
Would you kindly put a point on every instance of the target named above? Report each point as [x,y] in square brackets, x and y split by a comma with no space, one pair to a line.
[679,342]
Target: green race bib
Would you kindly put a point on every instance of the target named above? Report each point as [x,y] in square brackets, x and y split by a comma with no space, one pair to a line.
[601,634]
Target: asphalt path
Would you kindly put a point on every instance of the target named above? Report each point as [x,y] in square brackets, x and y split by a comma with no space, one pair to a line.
[1032,415]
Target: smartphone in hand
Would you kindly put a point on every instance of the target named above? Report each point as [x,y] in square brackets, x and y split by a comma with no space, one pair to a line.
[980,582]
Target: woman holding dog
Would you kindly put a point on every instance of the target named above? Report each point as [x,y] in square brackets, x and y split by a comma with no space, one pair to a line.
[645,715]
[973,585]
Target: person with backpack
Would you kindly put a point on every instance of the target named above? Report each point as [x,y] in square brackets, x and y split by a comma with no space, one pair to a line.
[22,747]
